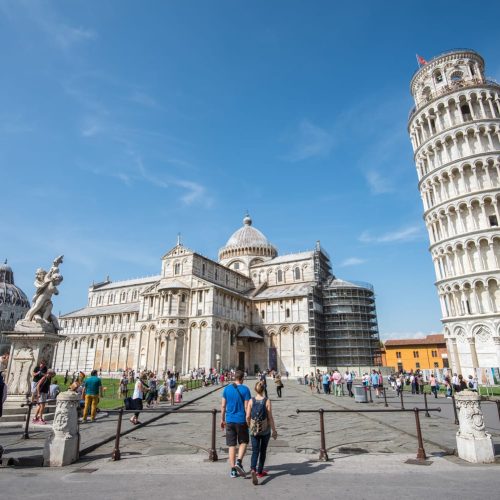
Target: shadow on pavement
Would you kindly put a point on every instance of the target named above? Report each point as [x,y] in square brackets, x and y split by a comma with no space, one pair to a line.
[294,469]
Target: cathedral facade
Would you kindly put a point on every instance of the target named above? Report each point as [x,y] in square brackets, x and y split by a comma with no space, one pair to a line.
[253,309]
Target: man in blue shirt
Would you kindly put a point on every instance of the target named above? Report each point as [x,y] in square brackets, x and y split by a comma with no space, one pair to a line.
[233,418]
[326,383]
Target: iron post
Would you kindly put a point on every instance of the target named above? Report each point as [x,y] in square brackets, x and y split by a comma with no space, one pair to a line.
[427,414]
[323,455]
[385,398]
[212,453]
[455,409]
[26,434]
[116,452]
[420,452]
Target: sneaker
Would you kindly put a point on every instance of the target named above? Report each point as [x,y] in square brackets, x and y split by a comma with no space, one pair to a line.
[239,467]
[264,473]
[35,420]
[42,421]
[255,481]
[234,473]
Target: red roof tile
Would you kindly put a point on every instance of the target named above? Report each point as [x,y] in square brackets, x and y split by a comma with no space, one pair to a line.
[430,339]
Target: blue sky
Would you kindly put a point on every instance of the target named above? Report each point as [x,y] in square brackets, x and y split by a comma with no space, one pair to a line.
[123,123]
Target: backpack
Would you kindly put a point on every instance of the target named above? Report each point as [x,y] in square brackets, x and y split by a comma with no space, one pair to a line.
[172,383]
[259,424]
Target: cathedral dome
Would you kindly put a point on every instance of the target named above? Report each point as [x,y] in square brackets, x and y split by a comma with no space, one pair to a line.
[247,241]
[13,301]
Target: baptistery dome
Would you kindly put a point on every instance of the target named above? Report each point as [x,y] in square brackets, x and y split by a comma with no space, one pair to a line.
[246,245]
[13,301]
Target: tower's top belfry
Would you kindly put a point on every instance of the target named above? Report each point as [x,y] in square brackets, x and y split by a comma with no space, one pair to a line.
[446,73]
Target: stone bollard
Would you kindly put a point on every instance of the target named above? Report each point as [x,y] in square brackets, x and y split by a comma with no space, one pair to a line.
[62,446]
[473,442]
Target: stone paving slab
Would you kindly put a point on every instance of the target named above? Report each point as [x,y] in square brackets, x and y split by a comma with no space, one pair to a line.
[351,433]
[91,434]
[291,476]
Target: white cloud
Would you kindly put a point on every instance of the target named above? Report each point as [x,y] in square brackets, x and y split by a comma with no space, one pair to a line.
[144,99]
[402,235]
[378,183]
[48,21]
[66,36]
[352,261]
[310,141]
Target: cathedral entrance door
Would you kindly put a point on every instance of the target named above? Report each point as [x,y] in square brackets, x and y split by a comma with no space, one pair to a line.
[241,360]
[273,358]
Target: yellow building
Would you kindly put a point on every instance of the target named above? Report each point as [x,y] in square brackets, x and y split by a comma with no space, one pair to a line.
[415,354]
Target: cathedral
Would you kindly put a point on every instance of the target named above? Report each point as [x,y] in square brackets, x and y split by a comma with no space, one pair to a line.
[252,309]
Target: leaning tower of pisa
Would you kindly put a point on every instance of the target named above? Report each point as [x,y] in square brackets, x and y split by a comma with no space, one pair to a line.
[455,132]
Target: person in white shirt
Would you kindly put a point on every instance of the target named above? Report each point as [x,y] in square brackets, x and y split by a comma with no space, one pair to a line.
[178,393]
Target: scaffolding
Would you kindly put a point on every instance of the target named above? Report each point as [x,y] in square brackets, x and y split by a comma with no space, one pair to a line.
[343,327]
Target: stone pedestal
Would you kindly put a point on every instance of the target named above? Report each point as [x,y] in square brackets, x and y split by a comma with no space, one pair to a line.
[62,446]
[474,444]
[30,343]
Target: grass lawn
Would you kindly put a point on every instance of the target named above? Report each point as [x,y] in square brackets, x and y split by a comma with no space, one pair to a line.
[111,386]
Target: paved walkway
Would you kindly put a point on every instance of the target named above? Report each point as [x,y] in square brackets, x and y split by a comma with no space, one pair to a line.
[346,433]
[91,434]
[369,456]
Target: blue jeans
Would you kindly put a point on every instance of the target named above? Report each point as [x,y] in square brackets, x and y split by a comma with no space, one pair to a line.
[259,449]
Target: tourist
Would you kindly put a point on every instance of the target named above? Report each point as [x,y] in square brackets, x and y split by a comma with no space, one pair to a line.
[234,404]
[472,384]
[455,382]
[3,392]
[171,384]
[434,386]
[264,381]
[152,398]
[38,374]
[261,423]
[66,377]
[420,383]
[279,384]
[139,389]
[179,393]
[374,382]
[318,382]
[337,383]
[462,384]
[399,384]
[53,390]
[413,383]
[326,383]
[449,387]
[348,380]
[42,395]
[312,382]
[124,386]
[92,390]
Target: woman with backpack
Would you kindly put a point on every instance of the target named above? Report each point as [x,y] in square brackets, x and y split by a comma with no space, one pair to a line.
[261,425]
